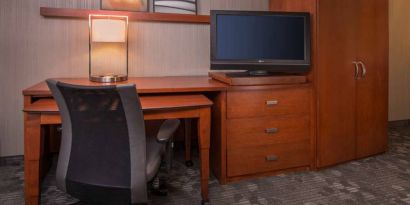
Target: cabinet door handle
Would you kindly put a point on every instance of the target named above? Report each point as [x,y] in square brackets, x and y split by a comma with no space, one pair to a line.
[356,70]
[272,130]
[272,102]
[272,158]
[364,69]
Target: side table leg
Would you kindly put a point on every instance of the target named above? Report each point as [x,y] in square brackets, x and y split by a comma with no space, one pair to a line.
[204,130]
[32,147]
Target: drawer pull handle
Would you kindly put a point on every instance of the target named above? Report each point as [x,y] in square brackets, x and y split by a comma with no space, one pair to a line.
[272,130]
[272,102]
[272,158]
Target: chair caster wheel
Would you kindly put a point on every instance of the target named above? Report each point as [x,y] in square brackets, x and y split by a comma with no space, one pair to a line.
[203,202]
[189,163]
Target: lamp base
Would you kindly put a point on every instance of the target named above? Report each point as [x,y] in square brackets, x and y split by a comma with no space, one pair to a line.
[108,78]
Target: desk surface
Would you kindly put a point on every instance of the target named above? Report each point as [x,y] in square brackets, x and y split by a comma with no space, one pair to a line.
[146,85]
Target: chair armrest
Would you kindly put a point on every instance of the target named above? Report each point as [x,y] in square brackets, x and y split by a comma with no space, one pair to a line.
[167,129]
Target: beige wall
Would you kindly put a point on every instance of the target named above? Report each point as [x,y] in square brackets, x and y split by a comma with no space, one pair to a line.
[33,48]
[399,60]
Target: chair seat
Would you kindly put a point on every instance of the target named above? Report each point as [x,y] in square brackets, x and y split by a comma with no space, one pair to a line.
[154,152]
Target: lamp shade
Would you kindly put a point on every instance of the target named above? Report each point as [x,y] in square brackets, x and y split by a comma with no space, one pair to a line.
[109,30]
[108,48]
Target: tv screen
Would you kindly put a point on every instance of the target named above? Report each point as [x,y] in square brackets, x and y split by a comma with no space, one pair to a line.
[272,41]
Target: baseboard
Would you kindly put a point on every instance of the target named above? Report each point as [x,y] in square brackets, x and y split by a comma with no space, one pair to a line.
[399,123]
[4,161]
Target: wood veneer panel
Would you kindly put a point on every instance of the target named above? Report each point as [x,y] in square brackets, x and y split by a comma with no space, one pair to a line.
[258,80]
[144,85]
[204,141]
[372,90]
[295,100]
[253,160]
[32,131]
[133,16]
[293,5]
[309,6]
[219,137]
[336,83]
[147,103]
[252,131]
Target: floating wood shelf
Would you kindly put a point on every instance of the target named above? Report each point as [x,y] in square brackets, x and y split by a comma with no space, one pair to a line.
[133,16]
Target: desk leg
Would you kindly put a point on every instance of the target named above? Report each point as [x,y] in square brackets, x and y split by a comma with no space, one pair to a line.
[32,146]
[188,140]
[204,130]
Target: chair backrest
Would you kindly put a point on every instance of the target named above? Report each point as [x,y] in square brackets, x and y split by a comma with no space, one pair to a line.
[103,140]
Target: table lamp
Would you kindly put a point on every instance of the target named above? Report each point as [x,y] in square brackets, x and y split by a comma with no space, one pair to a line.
[108,48]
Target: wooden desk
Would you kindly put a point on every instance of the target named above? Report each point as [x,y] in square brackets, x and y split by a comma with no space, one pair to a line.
[40,109]
[145,85]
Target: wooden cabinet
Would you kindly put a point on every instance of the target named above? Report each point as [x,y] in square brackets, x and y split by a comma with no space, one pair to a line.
[268,130]
[336,83]
[351,79]
[350,73]
[372,89]
[339,114]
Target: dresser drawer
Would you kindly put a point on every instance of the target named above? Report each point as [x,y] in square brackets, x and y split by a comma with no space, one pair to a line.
[259,159]
[259,103]
[244,132]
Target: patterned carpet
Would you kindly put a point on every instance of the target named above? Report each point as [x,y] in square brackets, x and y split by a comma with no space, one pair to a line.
[384,179]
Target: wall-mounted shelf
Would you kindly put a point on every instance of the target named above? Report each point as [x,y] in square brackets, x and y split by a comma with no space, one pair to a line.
[133,16]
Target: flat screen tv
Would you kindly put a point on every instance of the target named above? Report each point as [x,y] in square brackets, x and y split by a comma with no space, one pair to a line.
[260,42]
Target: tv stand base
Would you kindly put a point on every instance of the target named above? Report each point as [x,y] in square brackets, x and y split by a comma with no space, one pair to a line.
[259,73]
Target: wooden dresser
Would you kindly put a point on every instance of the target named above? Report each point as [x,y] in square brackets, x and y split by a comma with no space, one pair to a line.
[350,46]
[268,129]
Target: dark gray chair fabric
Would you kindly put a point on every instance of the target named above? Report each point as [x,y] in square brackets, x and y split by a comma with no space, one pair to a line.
[105,156]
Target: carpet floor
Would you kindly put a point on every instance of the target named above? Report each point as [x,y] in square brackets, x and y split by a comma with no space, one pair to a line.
[383,179]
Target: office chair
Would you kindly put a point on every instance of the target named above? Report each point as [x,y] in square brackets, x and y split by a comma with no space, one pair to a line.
[105,156]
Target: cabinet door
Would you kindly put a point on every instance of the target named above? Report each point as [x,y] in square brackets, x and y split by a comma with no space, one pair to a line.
[372,89]
[336,83]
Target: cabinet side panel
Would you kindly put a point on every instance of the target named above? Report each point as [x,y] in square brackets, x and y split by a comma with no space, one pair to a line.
[218,137]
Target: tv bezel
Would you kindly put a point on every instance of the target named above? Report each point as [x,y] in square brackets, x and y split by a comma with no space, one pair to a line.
[271,65]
